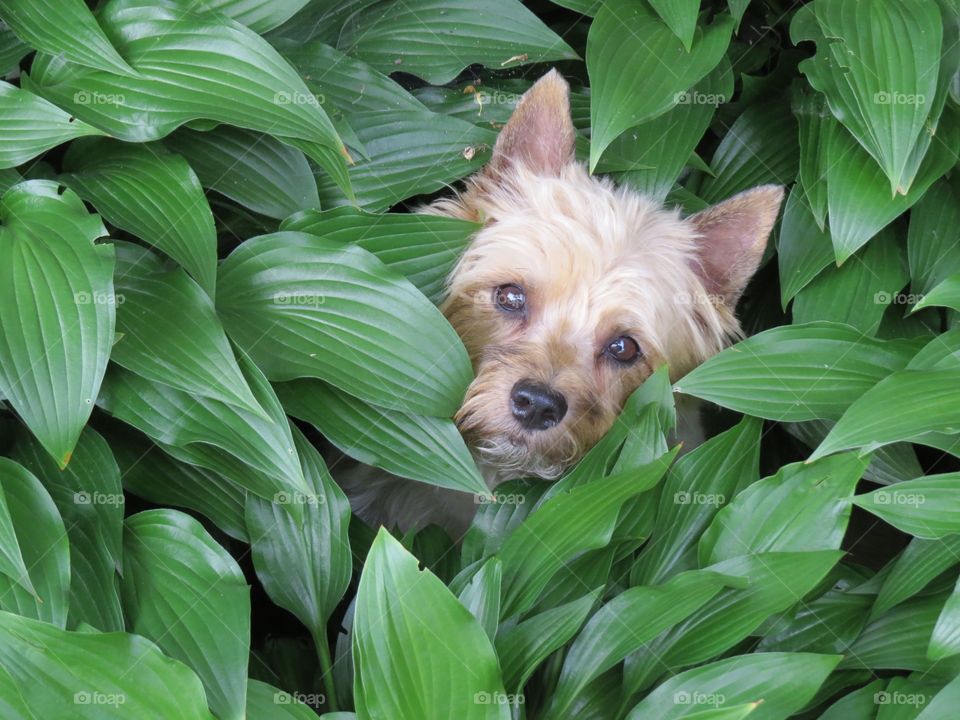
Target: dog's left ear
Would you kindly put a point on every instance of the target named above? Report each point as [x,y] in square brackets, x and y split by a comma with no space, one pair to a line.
[733,235]
[539,134]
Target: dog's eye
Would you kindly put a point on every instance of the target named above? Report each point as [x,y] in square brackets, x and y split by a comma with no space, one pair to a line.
[624,350]
[510,298]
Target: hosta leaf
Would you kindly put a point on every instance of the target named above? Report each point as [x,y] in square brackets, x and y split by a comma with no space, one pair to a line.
[35,541]
[265,702]
[253,169]
[12,50]
[90,500]
[569,523]
[899,638]
[877,63]
[191,67]
[56,311]
[945,640]
[258,15]
[857,705]
[807,508]
[169,331]
[625,624]
[405,665]
[680,16]
[781,684]
[943,704]
[926,401]
[305,566]
[514,500]
[29,126]
[481,596]
[828,624]
[639,69]
[184,592]
[64,27]
[799,372]
[9,178]
[946,294]
[91,676]
[928,507]
[942,352]
[151,194]
[523,647]
[498,34]
[303,306]
[418,447]
[811,111]
[919,563]
[423,248]
[252,451]
[803,249]
[933,243]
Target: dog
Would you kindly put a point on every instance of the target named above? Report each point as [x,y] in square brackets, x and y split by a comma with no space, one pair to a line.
[569,296]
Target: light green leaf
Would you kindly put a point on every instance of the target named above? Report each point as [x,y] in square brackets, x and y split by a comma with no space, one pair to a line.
[405,665]
[814,121]
[265,702]
[184,592]
[945,641]
[258,15]
[919,563]
[680,16]
[898,639]
[803,249]
[56,311]
[11,560]
[302,306]
[928,507]
[481,597]
[12,50]
[944,703]
[830,623]
[946,294]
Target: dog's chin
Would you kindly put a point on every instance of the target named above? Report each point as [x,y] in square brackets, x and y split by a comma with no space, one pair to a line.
[514,455]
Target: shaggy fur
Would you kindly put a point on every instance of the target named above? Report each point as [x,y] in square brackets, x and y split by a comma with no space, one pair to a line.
[595,262]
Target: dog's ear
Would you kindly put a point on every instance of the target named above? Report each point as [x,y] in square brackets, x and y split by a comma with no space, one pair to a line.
[733,235]
[539,134]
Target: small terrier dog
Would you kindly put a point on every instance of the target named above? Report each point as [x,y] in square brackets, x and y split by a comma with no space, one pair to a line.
[570,295]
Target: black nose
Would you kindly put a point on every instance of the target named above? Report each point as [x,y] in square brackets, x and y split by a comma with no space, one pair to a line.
[537,406]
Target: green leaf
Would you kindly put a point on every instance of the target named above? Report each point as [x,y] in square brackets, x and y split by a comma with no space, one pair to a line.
[96,674]
[898,639]
[498,34]
[56,311]
[12,50]
[625,624]
[798,372]
[423,248]
[29,126]
[803,249]
[814,121]
[11,560]
[566,525]
[252,169]
[265,702]
[64,27]
[481,596]
[419,447]
[494,521]
[305,566]
[89,498]
[927,507]
[151,194]
[302,306]
[858,705]
[946,294]
[803,507]
[919,563]
[680,16]
[932,242]
[405,665]
[944,703]
[877,63]
[781,684]
[945,641]
[258,15]
[639,69]
[926,401]
[184,592]
[233,76]
[169,331]
[831,623]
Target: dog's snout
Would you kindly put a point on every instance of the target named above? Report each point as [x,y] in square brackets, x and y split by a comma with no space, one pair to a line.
[537,406]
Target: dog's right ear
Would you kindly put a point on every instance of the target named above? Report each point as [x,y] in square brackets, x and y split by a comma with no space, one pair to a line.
[539,135]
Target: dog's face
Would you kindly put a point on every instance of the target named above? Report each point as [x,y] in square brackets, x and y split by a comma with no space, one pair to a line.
[574,291]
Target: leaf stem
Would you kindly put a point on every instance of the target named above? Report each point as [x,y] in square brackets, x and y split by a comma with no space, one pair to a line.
[326,667]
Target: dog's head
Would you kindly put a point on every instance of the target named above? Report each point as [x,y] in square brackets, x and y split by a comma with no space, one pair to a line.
[574,291]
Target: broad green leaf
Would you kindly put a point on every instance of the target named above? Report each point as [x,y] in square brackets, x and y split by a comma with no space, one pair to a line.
[29,126]
[798,372]
[919,563]
[422,448]
[184,592]
[169,331]
[151,194]
[812,113]
[803,249]
[254,452]
[781,684]
[946,294]
[877,63]
[899,638]
[265,702]
[258,15]
[305,566]
[64,27]
[933,242]
[523,647]
[96,674]
[12,565]
[302,306]
[190,67]
[90,500]
[494,521]
[625,624]
[566,525]
[697,486]
[944,704]
[639,69]
[857,705]
[481,597]
[498,34]
[423,248]
[9,178]
[830,623]
[942,352]
[405,665]
[12,50]
[859,292]
[945,640]
[255,170]
[926,401]
[680,16]
[803,507]
[56,311]
[928,507]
